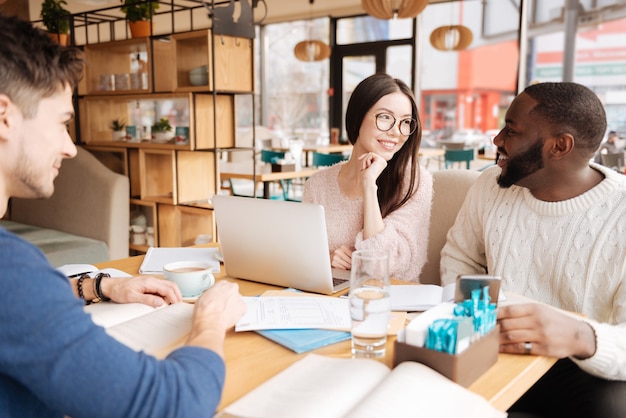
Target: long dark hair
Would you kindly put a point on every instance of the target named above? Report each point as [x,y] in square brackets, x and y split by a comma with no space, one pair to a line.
[365,95]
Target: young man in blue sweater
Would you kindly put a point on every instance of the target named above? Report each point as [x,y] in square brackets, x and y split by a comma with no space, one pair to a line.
[54,361]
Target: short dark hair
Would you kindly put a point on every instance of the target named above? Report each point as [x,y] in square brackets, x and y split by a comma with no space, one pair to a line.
[364,96]
[32,66]
[572,108]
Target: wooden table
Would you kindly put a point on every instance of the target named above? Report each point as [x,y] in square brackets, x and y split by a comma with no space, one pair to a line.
[252,359]
[263,174]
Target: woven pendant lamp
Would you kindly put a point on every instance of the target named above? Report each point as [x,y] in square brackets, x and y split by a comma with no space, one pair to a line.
[451,38]
[387,9]
[311,50]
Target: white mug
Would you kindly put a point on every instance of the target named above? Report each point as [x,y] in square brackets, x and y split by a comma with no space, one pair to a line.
[192,277]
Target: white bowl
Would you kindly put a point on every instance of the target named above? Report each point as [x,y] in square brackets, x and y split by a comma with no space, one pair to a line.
[199,76]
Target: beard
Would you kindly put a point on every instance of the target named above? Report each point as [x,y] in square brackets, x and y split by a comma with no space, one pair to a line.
[522,166]
[32,183]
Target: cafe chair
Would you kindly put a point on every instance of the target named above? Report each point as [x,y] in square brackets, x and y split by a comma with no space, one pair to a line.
[459,156]
[324,160]
[449,190]
[613,160]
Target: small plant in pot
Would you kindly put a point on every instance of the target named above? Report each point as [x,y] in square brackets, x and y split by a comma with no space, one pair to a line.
[118,127]
[139,14]
[162,130]
[56,19]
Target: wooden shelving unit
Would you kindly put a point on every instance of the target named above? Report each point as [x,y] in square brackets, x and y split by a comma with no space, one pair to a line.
[142,80]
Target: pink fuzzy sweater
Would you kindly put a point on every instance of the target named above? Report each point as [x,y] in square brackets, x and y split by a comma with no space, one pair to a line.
[405,235]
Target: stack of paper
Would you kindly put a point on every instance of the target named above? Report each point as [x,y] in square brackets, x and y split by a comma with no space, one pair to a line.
[156,258]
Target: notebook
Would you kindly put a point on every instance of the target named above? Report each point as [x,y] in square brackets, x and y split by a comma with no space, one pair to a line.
[277,242]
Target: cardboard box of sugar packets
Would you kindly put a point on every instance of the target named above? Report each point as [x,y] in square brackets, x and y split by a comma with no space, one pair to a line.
[463,368]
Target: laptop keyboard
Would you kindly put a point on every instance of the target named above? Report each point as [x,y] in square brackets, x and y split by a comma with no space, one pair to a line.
[337,282]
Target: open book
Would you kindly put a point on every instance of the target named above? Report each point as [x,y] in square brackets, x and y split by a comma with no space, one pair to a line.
[143,328]
[76,270]
[319,386]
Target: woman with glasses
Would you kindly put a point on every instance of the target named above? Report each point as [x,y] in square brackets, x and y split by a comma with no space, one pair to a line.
[380,198]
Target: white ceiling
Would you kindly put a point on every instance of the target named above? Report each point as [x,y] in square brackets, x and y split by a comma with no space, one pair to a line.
[286,10]
[277,10]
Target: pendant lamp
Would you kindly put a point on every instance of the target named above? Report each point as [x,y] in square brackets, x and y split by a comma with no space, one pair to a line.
[451,38]
[311,50]
[387,9]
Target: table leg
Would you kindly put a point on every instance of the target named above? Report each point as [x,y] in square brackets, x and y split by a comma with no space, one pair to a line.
[266,190]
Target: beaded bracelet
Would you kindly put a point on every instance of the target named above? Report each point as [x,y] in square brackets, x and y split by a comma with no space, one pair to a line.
[79,285]
[99,294]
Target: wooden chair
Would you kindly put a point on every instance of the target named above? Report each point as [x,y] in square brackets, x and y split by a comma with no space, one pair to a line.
[459,155]
[324,160]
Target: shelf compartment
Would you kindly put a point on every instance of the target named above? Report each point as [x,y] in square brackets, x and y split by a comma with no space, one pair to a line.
[233,61]
[179,226]
[195,111]
[108,59]
[149,210]
[115,159]
[176,177]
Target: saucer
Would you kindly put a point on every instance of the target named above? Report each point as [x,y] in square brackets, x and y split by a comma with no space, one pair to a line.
[192,299]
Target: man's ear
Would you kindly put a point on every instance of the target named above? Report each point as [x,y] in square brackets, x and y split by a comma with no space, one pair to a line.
[5,115]
[562,145]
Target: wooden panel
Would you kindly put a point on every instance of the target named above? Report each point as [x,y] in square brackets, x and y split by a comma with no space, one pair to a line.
[205,134]
[165,69]
[233,63]
[168,221]
[195,176]
[134,172]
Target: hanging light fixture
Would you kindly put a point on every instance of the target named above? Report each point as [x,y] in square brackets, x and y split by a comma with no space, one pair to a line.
[451,37]
[311,50]
[387,9]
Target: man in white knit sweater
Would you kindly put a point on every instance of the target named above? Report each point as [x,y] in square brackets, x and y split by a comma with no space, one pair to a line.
[553,225]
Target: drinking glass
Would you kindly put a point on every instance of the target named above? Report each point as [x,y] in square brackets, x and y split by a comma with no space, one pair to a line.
[370,304]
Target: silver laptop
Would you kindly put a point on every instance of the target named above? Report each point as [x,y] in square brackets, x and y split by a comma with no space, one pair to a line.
[277,242]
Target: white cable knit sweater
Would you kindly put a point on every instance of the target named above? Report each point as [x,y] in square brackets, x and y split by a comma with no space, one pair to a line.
[406,229]
[569,254]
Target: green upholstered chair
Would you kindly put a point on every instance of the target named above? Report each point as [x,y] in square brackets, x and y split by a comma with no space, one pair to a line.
[459,155]
[323,160]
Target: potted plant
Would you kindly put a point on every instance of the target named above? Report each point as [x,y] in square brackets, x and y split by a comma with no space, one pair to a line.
[139,15]
[118,127]
[56,19]
[161,130]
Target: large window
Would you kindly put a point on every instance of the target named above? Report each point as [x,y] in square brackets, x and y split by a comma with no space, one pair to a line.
[458,90]
[294,93]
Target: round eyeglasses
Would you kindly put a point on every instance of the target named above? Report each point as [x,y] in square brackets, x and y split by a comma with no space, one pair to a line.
[386,121]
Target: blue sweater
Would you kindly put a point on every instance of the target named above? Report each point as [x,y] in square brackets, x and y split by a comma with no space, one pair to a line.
[55,361]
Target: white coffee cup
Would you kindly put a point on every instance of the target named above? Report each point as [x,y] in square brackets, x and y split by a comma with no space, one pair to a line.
[192,277]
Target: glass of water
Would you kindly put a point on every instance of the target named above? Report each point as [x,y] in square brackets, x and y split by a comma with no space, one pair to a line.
[370,305]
